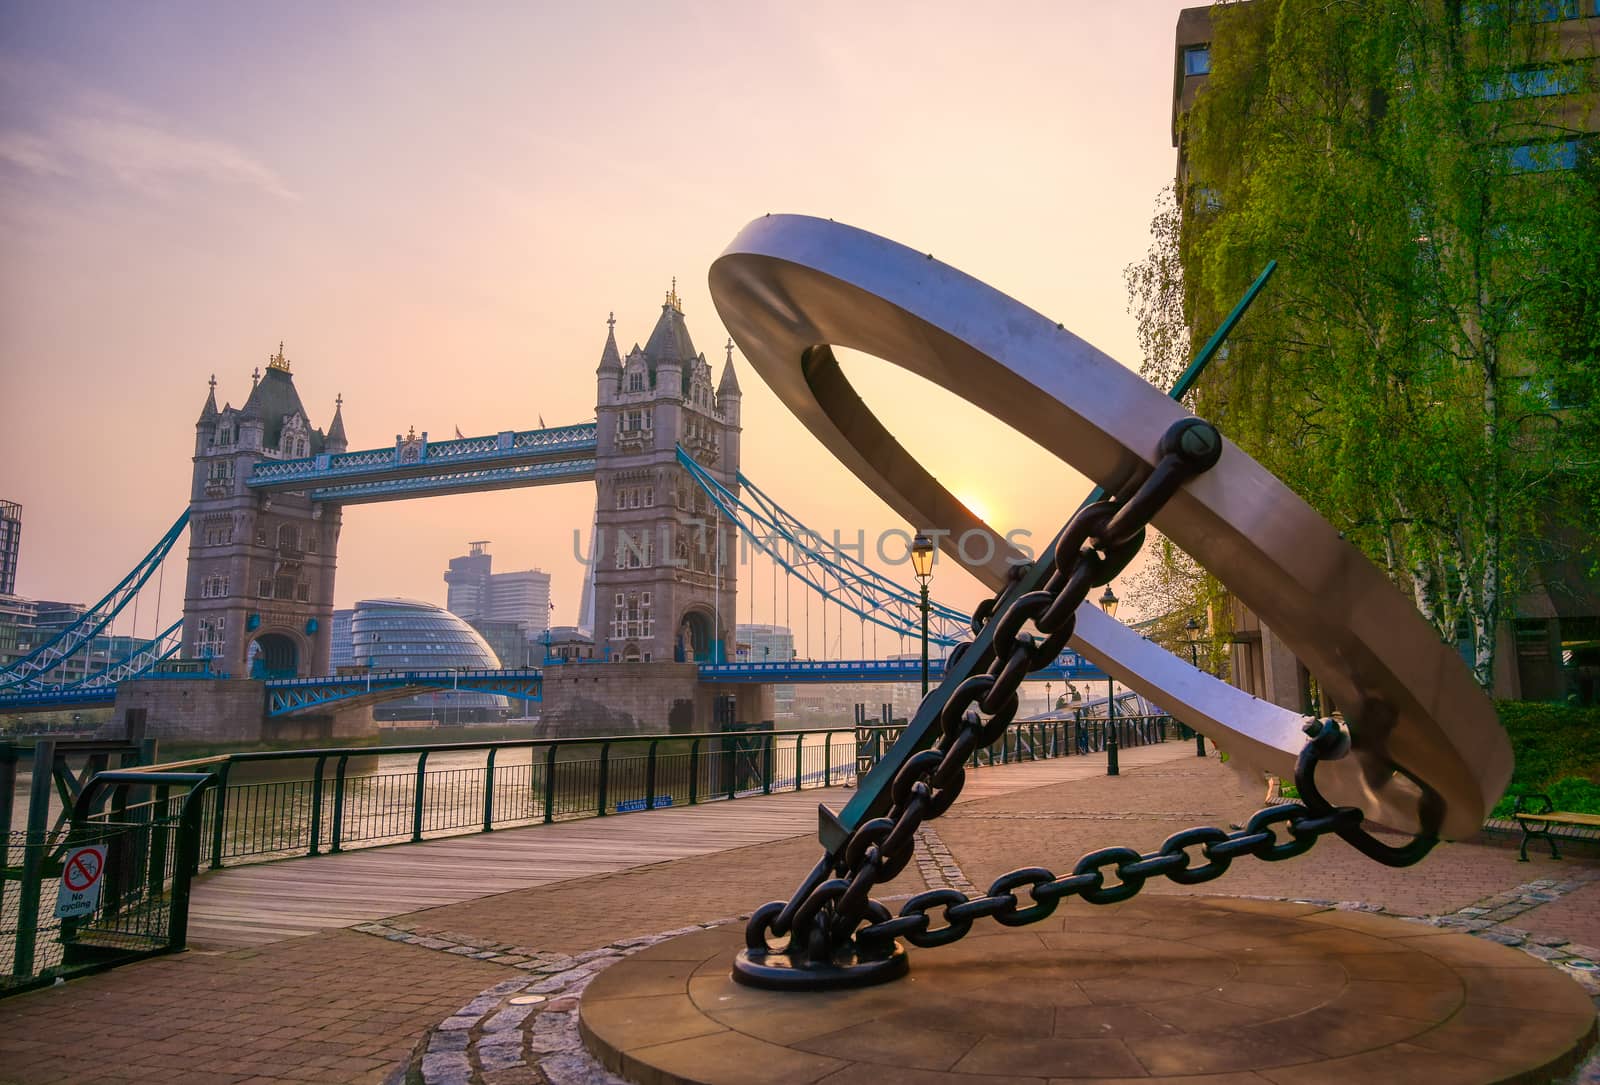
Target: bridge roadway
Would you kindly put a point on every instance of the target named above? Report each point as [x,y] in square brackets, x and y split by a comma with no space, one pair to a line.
[297,696]
[267,902]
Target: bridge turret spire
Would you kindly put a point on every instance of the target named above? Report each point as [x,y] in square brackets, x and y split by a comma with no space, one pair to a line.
[335,440]
[610,357]
[208,413]
[729,384]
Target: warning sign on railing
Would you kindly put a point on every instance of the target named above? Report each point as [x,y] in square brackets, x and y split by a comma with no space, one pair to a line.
[80,881]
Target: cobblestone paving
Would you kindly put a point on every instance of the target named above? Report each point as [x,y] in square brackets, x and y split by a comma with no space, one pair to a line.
[349,1005]
[547,1048]
[506,1037]
[936,865]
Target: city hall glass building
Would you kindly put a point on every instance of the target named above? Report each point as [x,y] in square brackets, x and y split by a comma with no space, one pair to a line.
[410,635]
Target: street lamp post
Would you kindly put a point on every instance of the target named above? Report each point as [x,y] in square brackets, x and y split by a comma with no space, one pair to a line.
[1108,603]
[1191,631]
[922,565]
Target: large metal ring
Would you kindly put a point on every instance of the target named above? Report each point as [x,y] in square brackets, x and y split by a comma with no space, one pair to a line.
[789,288]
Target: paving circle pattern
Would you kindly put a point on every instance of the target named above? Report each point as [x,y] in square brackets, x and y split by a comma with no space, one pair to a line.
[1206,991]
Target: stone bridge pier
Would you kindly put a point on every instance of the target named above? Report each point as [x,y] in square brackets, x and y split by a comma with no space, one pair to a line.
[229,710]
[642,699]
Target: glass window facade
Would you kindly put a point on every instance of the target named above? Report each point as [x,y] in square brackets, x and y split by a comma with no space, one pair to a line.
[410,635]
[1540,157]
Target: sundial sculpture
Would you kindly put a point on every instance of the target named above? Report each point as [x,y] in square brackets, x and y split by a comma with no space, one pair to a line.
[1421,749]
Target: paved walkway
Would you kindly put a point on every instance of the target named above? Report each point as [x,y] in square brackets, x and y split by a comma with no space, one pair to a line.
[538,907]
[265,902]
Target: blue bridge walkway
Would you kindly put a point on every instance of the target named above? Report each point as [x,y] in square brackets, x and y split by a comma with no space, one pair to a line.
[299,696]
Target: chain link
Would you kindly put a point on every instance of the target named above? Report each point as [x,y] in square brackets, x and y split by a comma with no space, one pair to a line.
[1088,880]
[1102,537]
[1096,545]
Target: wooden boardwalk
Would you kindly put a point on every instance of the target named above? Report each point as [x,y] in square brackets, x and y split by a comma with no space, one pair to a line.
[266,902]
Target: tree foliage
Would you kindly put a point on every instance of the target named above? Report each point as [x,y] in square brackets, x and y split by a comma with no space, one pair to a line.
[1174,589]
[1423,367]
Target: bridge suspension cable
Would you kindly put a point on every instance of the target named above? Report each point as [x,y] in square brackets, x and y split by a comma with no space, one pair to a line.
[824,567]
[138,661]
[28,673]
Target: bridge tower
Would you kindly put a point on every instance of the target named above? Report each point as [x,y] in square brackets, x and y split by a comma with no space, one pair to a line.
[259,597]
[666,575]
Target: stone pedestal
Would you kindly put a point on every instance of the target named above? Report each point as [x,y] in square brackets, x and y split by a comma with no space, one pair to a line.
[1187,989]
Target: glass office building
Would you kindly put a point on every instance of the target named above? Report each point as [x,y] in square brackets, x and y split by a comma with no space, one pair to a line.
[410,635]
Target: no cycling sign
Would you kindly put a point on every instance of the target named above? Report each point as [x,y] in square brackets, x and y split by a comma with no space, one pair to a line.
[80,881]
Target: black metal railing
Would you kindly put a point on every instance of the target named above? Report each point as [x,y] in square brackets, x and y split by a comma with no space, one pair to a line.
[310,802]
[142,833]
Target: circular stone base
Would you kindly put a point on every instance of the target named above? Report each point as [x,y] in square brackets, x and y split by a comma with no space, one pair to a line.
[1203,990]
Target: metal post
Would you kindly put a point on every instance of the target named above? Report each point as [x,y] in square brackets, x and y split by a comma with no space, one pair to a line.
[924,638]
[550,785]
[694,772]
[316,806]
[1199,739]
[33,850]
[1111,728]
[416,809]
[767,763]
[338,802]
[156,867]
[219,812]
[799,759]
[488,791]
[650,777]
[827,759]
[605,772]
[188,858]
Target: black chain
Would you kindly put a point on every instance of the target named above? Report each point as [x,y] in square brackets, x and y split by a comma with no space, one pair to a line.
[1173,860]
[1097,544]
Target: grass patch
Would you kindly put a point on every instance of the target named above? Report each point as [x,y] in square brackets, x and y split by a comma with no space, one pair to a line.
[1557,748]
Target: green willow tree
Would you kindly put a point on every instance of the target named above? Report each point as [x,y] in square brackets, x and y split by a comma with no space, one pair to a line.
[1422,368]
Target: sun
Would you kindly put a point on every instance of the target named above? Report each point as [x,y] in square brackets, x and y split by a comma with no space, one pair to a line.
[977,506]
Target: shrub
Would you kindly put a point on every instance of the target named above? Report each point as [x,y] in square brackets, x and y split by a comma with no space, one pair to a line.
[1557,750]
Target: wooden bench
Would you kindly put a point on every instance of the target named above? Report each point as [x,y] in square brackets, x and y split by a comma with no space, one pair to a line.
[1536,823]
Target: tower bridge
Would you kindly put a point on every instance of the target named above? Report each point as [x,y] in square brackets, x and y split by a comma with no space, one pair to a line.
[266,509]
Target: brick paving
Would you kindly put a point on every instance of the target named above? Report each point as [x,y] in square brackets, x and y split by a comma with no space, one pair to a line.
[1053,826]
[360,1005]
[334,1007]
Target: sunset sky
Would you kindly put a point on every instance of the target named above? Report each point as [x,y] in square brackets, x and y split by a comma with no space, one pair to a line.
[436,206]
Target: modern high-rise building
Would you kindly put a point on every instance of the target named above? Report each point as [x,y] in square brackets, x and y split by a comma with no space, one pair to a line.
[765,643]
[769,644]
[467,581]
[27,625]
[522,597]
[16,626]
[341,645]
[509,642]
[476,592]
[10,543]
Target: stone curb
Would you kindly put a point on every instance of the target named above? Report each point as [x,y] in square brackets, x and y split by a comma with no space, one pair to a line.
[523,1031]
